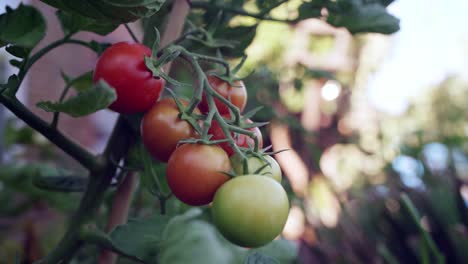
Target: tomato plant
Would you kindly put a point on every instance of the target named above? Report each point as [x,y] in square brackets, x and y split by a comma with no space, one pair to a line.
[234,92]
[162,129]
[129,78]
[195,172]
[265,166]
[122,66]
[241,140]
[250,210]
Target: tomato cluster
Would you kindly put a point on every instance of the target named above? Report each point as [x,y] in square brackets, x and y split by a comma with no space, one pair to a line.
[249,209]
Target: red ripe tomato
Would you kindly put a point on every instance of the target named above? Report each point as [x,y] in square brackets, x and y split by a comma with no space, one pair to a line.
[194,172]
[235,93]
[162,129]
[122,66]
[241,139]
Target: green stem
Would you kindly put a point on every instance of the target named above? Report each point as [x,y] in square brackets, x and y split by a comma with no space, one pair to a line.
[130,31]
[213,59]
[225,101]
[408,204]
[55,119]
[84,157]
[162,205]
[117,146]
[180,39]
[234,10]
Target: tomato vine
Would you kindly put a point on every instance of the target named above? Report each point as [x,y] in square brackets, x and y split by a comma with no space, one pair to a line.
[102,18]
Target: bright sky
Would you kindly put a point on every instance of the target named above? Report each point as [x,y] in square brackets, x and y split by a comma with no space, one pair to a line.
[432,43]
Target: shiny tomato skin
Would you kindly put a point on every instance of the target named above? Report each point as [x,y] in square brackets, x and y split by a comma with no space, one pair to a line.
[240,139]
[194,172]
[250,210]
[162,129]
[235,93]
[122,66]
[270,166]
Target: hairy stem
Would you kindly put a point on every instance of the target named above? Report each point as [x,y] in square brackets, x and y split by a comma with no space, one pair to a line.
[117,146]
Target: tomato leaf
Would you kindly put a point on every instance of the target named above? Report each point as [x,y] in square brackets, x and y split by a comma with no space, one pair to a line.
[115,11]
[187,239]
[140,237]
[282,250]
[73,22]
[11,84]
[84,103]
[80,83]
[99,47]
[61,183]
[259,258]
[19,178]
[18,51]
[24,26]
[310,10]
[243,35]
[358,17]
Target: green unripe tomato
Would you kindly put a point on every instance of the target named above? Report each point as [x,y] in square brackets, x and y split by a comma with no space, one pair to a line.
[250,210]
[272,168]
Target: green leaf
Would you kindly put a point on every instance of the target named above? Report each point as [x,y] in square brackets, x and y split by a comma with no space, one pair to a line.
[18,51]
[114,11]
[140,237]
[99,47]
[282,250]
[309,10]
[153,176]
[359,18]
[243,35]
[23,26]
[72,23]
[84,103]
[15,63]
[19,179]
[259,258]
[189,240]
[80,83]
[61,183]
[11,84]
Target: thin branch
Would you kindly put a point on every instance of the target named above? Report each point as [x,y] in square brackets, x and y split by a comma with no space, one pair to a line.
[85,158]
[130,31]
